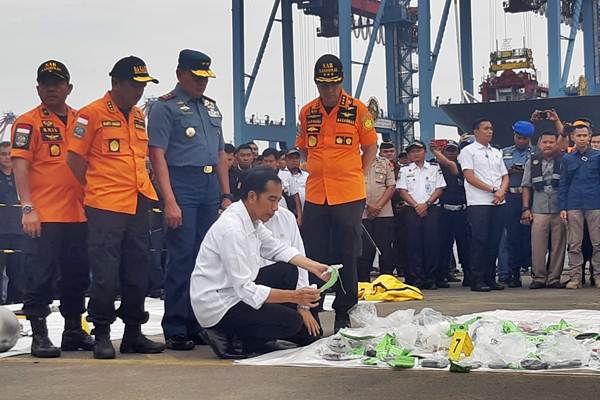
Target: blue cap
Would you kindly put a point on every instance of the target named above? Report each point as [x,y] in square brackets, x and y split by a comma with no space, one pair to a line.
[197,62]
[524,128]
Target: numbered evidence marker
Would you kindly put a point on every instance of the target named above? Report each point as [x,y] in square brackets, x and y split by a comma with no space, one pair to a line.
[461,344]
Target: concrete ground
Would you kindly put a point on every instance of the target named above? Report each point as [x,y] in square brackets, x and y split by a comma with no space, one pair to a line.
[198,375]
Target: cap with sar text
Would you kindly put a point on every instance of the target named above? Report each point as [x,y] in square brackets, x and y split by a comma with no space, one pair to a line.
[196,62]
[53,68]
[329,69]
[132,68]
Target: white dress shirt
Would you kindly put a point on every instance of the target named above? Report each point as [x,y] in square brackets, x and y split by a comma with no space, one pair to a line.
[421,182]
[283,226]
[487,165]
[294,183]
[230,257]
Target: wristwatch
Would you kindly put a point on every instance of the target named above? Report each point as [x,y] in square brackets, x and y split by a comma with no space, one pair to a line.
[428,203]
[228,196]
[494,189]
[27,209]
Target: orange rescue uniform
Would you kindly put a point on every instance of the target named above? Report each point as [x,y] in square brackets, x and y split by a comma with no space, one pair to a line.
[333,141]
[40,137]
[116,150]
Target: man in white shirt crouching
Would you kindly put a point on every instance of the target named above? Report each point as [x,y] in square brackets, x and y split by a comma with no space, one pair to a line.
[232,296]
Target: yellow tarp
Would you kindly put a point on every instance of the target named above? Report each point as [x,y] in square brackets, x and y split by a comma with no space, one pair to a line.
[388,288]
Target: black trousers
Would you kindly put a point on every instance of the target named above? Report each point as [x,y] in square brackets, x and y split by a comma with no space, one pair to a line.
[118,252]
[271,321]
[399,243]
[14,265]
[332,235]
[486,223]
[454,227]
[421,245]
[381,230]
[61,246]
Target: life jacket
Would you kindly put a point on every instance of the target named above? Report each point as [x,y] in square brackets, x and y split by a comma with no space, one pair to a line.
[537,175]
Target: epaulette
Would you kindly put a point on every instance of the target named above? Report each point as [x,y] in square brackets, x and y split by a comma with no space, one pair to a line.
[167,96]
[209,99]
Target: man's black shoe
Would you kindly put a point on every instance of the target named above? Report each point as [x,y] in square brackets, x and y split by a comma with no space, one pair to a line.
[74,340]
[103,348]
[140,344]
[222,344]
[180,342]
[453,278]
[342,320]
[537,285]
[480,287]
[495,286]
[556,285]
[135,342]
[197,339]
[442,284]
[515,283]
[41,346]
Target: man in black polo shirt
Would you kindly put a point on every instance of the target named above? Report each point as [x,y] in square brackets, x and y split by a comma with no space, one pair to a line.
[453,223]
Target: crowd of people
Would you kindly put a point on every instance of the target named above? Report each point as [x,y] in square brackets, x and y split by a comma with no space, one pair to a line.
[105,203]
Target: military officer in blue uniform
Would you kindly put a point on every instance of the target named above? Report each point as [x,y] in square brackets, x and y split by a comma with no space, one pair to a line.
[518,236]
[188,158]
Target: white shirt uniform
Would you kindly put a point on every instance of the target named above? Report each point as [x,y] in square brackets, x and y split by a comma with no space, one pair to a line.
[488,166]
[293,184]
[228,262]
[421,182]
[283,226]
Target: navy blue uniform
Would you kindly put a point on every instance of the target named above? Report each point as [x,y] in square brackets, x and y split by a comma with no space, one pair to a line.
[189,130]
[518,236]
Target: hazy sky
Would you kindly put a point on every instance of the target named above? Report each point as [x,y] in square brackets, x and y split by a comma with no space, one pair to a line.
[90,36]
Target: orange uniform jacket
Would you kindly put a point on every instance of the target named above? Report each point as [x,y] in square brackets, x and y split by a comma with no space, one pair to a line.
[40,137]
[116,150]
[333,144]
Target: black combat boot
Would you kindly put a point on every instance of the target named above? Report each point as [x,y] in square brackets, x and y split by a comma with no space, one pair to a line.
[41,346]
[134,342]
[74,337]
[103,348]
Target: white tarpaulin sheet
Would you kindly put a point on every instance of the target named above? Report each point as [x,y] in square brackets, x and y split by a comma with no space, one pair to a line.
[426,335]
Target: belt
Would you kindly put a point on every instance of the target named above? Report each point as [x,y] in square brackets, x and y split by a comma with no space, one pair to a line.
[452,207]
[515,190]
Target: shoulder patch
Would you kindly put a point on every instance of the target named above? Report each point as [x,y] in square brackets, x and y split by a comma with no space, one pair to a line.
[22,136]
[167,96]
[209,99]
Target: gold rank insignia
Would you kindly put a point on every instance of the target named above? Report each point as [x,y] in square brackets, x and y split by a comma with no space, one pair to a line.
[368,124]
[54,150]
[312,140]
[114,146]
[348,140]
[190,132]
[339,140]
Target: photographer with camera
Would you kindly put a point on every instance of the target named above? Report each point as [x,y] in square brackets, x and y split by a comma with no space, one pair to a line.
[518,235]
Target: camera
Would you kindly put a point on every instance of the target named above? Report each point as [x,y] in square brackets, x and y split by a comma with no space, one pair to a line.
[543,114]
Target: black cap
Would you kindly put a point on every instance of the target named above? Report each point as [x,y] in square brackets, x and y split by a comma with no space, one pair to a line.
[197,62]
[133,68]
[417,144]
[53,68]
[387,145]
[452,143]
[329,69]
[293,150]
